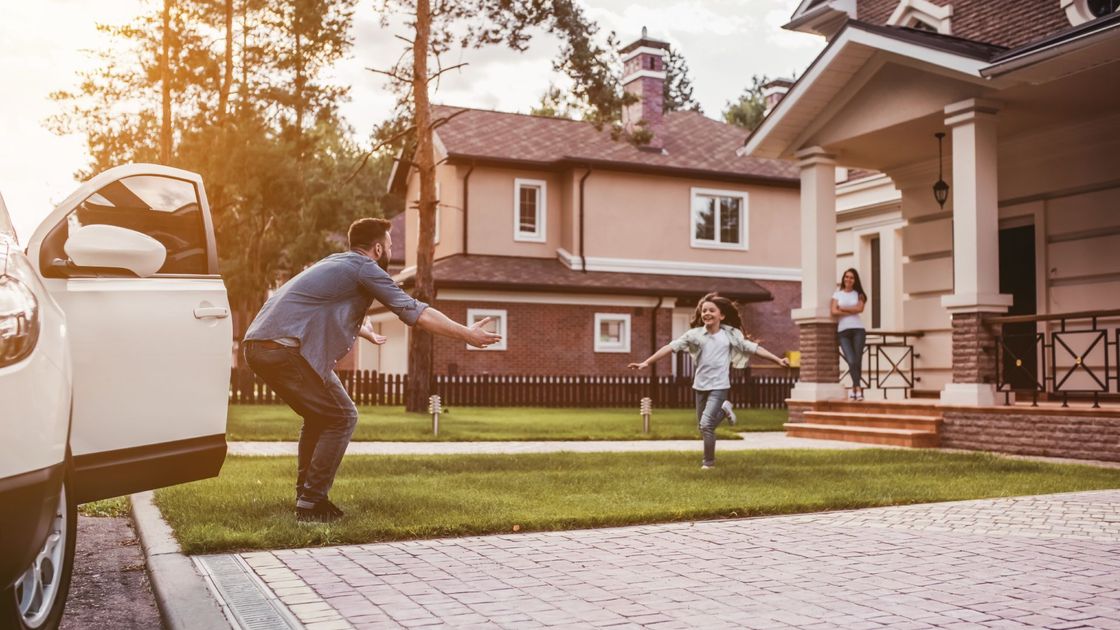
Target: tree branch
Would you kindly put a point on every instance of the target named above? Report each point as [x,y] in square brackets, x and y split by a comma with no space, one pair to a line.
[391,74]
[368,154]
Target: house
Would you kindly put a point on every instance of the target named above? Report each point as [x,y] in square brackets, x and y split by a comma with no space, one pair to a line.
[1000,257]
[591,251]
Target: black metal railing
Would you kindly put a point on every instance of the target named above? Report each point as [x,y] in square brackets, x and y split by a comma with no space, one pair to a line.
[887,362]
[1078,359]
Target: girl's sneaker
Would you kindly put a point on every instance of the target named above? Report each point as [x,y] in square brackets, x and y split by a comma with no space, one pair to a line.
[728,412]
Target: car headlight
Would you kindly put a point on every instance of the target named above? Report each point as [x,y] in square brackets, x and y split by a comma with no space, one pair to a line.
[19,321]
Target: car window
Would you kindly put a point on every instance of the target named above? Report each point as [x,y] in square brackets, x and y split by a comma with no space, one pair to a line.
[164,208]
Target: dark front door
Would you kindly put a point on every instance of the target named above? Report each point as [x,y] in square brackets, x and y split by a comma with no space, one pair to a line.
[1017,278]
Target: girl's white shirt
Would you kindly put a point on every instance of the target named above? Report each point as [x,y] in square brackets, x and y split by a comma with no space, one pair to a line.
[847,299]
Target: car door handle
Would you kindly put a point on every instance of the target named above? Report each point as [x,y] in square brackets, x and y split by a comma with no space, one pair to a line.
[211,312]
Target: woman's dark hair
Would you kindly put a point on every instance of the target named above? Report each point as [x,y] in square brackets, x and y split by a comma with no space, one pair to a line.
[730,312]
[857,286]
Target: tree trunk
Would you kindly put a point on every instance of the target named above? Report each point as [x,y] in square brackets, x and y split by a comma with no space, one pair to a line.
[165,81]
[227,74]
[420,348]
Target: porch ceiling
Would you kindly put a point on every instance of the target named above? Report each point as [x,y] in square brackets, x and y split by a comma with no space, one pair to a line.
[874,98]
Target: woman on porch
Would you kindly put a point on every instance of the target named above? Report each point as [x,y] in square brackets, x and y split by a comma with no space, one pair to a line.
[847,304]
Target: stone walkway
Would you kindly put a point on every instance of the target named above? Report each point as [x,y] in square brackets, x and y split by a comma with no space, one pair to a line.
[752,441]
[1046,561]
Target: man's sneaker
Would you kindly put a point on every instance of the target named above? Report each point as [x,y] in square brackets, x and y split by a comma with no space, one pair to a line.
[707,467]
[728,412]
[322,512]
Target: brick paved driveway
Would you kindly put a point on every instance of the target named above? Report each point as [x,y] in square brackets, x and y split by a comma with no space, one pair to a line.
[1048,561]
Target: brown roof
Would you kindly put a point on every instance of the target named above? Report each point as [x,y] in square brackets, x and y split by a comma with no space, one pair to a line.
[693,145]
[397,233]
[1008,23]
[549,275]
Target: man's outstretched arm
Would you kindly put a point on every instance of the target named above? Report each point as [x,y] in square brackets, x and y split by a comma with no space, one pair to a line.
[437,323]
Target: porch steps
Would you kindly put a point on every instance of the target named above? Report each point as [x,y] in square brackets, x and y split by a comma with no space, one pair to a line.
[887,423]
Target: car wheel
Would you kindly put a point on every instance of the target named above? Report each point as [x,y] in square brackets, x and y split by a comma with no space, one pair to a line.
[36,600]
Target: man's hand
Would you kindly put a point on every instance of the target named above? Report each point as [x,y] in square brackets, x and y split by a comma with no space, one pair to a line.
[784,362]
[479,337]
[366,332]
[638,366]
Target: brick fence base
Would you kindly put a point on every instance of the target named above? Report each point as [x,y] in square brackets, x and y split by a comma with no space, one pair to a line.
[1026,432]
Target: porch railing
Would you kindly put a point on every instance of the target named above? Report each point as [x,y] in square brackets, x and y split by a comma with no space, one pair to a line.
[887,362]
[1079,358]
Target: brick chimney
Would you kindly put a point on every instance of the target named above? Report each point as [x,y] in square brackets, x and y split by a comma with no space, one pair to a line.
[774,91]
[643,75]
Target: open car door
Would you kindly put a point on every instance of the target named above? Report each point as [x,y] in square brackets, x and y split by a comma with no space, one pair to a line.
[131,259]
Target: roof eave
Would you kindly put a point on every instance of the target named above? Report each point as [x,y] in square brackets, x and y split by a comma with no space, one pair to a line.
[762,143]
[631,167]
[1035,54]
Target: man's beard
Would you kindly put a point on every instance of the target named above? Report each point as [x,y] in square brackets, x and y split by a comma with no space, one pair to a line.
[383,261]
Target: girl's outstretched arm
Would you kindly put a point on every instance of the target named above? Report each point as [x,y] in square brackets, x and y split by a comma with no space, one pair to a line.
[663,351]
[766,354]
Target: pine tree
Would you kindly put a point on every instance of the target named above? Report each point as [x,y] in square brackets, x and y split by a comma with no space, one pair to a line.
[678,85]
[750,109]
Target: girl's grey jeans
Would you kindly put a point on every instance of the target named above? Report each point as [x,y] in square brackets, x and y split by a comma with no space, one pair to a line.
[709,413]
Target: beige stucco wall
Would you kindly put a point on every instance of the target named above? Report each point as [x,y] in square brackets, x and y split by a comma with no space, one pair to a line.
[649,217]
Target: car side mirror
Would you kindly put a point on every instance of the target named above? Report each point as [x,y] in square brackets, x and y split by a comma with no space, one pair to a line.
[109,246]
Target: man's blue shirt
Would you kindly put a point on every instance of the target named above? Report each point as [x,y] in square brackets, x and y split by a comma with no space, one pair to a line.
[324,306]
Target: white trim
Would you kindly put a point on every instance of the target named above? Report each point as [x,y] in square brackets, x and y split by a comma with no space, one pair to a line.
[623,346]
[681,268]
[855,38]
[744,220]
[646,50]
[640,74]
[910,11]
[503,326]
[1077,11]
[528,297]
[542,210]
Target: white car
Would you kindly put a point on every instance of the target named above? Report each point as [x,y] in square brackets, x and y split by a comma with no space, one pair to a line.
[115,349]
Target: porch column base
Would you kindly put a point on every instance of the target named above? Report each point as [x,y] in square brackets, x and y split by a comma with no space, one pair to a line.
[812,392]
[970,394]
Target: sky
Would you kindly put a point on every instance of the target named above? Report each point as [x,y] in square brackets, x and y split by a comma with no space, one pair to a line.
[724,41]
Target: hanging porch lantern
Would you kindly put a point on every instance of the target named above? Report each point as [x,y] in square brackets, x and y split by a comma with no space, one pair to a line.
[940,189]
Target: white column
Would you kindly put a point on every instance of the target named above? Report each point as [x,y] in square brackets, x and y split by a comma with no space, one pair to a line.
[820,361]
[818,234]
[975,227]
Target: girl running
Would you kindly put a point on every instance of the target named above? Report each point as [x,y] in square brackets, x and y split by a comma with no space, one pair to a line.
[716,345]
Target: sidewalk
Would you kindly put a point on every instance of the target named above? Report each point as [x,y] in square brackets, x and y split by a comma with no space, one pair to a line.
[751,441]
[1046,561]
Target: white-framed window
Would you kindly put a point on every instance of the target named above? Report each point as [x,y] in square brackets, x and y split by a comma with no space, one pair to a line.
[530,209]
[719,219]
[498,325]
[923,15]
[612,332]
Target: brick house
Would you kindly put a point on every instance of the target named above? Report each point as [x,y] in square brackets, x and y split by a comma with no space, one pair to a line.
[592,251]
[1008,284]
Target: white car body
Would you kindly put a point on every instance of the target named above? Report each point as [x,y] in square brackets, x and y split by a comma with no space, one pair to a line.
[127,384]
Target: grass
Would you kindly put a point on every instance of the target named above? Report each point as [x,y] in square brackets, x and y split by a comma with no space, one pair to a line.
[117,506]
[472,424]
[395,498]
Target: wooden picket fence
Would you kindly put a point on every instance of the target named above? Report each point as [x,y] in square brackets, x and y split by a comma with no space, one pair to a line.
[763,390]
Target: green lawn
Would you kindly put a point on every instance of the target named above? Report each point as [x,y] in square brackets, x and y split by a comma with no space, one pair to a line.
[472,424]
[250,506]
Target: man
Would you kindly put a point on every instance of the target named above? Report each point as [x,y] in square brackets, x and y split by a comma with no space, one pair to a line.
[310,323]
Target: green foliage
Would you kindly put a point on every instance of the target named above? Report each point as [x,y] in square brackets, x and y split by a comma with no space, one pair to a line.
[468,424]
[399,498]
[252,112]
[677,94]
[115,507]
[750,109]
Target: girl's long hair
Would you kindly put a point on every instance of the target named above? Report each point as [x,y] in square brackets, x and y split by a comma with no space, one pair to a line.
[857,286]
[729,309]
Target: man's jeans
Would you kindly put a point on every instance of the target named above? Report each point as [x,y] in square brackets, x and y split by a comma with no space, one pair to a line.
[709,413]
[329,416]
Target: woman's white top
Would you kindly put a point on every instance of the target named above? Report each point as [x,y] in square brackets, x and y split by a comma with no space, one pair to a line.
[847,299]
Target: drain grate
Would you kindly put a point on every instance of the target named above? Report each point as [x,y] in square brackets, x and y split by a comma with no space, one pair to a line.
[248,603]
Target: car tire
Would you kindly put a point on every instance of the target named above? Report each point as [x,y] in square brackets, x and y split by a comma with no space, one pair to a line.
[37,599]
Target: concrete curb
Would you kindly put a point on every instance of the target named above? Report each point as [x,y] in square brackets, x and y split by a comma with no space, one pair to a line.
[184,598]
